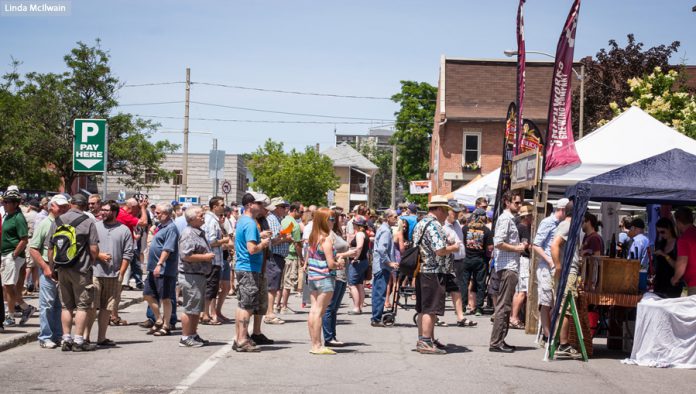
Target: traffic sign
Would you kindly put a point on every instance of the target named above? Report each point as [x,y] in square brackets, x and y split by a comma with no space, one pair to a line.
[190,199]
[90,145]
[226,187]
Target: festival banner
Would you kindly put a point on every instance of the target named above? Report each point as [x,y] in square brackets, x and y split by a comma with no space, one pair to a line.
[530,137]
[560,147]
[506,165]
[521,65]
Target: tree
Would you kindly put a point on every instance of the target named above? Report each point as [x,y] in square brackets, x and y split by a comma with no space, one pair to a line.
[50,103]
[414,129]
[656,94]
[296,176]
[606,76]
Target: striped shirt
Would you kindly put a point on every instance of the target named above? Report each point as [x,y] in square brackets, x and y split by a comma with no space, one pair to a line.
[281,249]
[317,266]
[506,231]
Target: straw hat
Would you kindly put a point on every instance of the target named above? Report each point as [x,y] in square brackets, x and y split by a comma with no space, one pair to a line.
[439,201]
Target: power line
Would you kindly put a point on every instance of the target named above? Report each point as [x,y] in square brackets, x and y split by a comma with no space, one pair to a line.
[287,113]
[153,84]
[375,124]
[291,91]
[158,103]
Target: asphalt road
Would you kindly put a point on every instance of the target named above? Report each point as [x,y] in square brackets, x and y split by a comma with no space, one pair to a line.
[375,360]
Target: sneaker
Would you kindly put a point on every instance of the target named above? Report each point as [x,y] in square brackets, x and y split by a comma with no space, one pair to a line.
[542,342]
[334,343]
[66,346]
[261,339]
[441,323]
[26,314]
[9,322]
[439,344]
[190,342]
[84,347]
[276,309]
[468,311]
[377,324]
[567,351]
[199,339]
[287,311]
[428,347]
[246,347]
[479,312]
[47,344]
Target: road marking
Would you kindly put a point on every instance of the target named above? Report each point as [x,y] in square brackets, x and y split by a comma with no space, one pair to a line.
[202,369]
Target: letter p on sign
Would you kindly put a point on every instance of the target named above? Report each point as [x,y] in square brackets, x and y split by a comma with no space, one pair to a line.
[89,129]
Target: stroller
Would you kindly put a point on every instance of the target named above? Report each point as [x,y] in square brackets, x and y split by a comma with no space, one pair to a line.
[405,292]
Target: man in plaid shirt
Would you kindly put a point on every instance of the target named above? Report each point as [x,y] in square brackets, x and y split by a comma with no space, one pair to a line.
[507,262]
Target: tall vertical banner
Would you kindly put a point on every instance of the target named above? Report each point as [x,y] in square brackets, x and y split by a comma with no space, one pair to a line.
[506,166]
[560,147]
[530,137]
[521,65]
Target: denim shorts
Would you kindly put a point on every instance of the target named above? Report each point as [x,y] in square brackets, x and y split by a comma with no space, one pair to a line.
[226,271]
[357,271]
[325,285]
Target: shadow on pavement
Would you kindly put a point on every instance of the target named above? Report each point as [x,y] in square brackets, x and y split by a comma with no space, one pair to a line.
[457,349]
[131,342]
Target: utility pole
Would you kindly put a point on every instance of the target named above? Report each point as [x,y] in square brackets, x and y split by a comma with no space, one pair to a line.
[582,100]
[215,180]
[393,178]
[184,172]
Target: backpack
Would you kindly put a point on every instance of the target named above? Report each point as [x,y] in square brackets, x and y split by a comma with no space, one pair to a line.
[410,259]
[67,248]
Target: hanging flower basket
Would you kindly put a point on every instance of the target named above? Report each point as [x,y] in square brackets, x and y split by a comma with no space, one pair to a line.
[474,166]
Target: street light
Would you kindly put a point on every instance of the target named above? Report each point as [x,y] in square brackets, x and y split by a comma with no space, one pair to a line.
[580,76]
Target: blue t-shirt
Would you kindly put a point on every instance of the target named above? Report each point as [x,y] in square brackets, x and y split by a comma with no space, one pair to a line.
[246,231]
[166,238]
[411,220]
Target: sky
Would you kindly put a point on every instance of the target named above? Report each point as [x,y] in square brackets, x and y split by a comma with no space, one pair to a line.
[358,48]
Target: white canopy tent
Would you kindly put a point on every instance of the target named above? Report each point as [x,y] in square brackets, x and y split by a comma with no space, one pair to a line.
[630,137]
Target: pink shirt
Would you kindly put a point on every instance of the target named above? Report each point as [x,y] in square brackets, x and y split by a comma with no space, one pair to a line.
[686,246]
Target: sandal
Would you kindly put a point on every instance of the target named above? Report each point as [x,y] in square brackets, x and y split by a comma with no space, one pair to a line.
[205,321]
[163,332]
[466,323]
[214,322]
[517,325]
[323,351]
[441,323]
[117,321]
[155,328]
[106,343]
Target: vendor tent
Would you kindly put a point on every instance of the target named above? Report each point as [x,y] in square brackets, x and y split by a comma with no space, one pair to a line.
[632,136]
[667,178]
[485,186]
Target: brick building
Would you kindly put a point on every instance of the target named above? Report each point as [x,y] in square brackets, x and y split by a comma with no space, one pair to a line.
[472,103]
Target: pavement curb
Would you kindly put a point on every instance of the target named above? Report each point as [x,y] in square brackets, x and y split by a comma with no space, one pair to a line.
[34,335]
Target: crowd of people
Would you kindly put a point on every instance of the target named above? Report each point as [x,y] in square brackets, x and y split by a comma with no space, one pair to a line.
[80,253]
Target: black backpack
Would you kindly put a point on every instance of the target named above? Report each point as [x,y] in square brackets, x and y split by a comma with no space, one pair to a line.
[68,247]
[410,259]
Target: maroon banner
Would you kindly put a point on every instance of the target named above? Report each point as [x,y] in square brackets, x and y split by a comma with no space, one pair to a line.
[506,165]
[530,137]
[521,63]
[560,147]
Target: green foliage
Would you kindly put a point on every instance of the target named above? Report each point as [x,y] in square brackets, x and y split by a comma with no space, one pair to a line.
[40,109]
[296,176]
[414,132]
[656,95]
[606,76]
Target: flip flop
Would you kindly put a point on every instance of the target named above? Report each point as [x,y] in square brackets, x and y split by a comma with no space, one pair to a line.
[214,322]
[323,351]
[518,325]
[466,323]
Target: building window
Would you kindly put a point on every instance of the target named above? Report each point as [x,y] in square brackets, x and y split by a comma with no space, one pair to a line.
[178,177]
[150,178]
[471,151]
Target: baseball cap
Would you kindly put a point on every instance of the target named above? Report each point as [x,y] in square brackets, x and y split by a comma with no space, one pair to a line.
[256,197]
[277,202]
[59,199]
[413,207]
[454,205]
[174,203]
[13,188]
[561,204]
[78,199]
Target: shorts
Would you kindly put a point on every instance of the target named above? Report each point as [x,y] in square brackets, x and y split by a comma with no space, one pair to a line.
[192,289]
[572,287]
[76,289]
[290,274]
[430,294]
[325,285]
[212,284]
[29,260]
[249,289]
[357,271]
[225,271]
[10,268]
[545,287]
[451,283]
[263,297]
[106,292]
[160,288]
[274,272]
[523,282]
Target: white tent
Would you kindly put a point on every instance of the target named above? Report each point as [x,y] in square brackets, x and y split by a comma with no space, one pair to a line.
[630,137]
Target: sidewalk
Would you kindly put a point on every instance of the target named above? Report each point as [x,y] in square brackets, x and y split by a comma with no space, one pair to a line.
[29,332]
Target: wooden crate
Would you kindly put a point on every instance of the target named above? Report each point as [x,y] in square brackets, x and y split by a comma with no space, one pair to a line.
[618,276]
